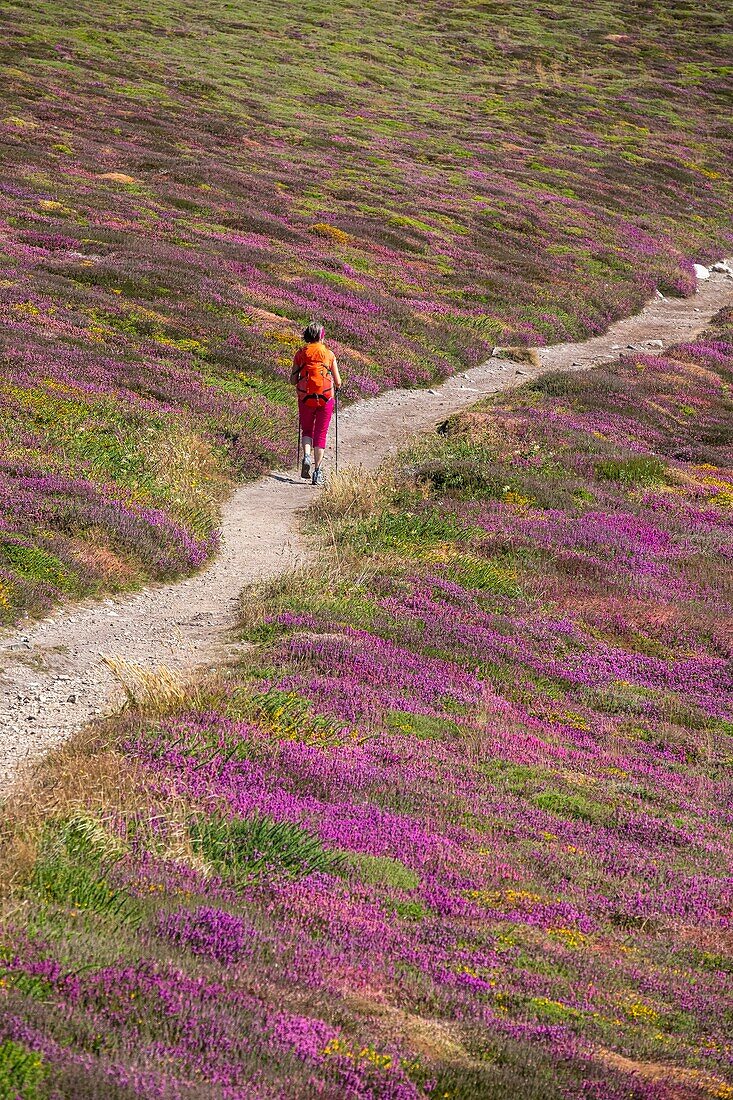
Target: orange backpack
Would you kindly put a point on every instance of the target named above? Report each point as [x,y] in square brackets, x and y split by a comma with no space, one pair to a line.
[315,381]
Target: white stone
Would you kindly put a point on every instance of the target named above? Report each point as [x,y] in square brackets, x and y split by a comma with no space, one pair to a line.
[702,272]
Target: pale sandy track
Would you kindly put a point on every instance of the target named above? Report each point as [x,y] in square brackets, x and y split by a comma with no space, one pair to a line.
[52,676]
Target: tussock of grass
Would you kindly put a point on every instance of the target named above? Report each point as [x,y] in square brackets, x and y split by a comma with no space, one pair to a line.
[259,846]
[382,871]
[352,493]
[86,775]
[153,691]
[519,355]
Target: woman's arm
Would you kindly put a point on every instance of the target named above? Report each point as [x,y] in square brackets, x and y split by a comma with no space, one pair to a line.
[336,376]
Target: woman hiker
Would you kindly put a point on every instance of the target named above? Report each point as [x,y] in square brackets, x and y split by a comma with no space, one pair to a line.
[316,377]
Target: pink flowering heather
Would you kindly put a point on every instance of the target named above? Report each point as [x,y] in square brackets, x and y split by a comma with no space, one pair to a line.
[461,830]
[185,189]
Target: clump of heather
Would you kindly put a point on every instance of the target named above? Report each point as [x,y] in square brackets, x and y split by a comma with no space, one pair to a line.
[459,825]
[183,194]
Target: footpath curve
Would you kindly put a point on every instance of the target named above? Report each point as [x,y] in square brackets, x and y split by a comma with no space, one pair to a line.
[53,677]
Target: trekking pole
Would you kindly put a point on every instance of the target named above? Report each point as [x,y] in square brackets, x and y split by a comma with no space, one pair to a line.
[299,434]
[337,431]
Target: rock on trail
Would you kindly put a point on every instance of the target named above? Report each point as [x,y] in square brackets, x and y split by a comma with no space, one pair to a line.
[53,676]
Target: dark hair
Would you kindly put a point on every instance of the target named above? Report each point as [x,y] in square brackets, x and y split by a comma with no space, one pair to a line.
[312,334]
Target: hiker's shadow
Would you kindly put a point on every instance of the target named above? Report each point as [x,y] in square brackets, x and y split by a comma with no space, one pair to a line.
[286,480]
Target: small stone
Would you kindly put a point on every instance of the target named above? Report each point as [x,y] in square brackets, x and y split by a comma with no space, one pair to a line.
[702,272]
[73,698]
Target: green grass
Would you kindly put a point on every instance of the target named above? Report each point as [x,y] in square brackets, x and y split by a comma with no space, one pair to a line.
[574,806]
[258,846]
[22,1072]
[633,471]
[382,871]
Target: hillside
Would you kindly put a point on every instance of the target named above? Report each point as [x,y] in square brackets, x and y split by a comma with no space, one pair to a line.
[184,187]
[455,824]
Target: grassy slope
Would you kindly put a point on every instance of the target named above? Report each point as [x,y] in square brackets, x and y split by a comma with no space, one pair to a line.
[458,825]
[189,184]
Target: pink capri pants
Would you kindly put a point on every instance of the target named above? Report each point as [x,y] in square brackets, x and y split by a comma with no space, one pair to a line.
[315,416]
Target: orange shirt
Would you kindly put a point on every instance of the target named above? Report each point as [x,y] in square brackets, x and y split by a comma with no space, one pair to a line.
[310,354]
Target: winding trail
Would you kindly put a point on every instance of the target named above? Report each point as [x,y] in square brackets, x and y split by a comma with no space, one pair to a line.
[53,678]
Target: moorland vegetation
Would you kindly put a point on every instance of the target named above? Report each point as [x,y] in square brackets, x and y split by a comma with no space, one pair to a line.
[455,824]
[185,186]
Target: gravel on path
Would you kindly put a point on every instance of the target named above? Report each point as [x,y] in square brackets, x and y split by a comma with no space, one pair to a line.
[53,675]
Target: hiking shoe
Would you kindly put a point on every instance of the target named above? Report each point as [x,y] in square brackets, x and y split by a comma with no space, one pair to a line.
[319,478]
[305,469]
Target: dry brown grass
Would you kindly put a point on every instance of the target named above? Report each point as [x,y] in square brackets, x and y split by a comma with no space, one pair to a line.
[351,493]
[117,177]
[695,1079]
[87,774]
[190,469]
[435,1040]
[519,355]
[93,554]
[91,777]
[152,691]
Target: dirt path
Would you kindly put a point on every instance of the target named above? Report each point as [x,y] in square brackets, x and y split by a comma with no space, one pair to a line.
[52,676]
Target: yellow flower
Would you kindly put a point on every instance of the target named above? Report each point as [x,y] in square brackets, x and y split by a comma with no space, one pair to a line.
[516,499]
[639,1011]
[5,596]
[19,123]
[709,173]
[322,229]
[569,936]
